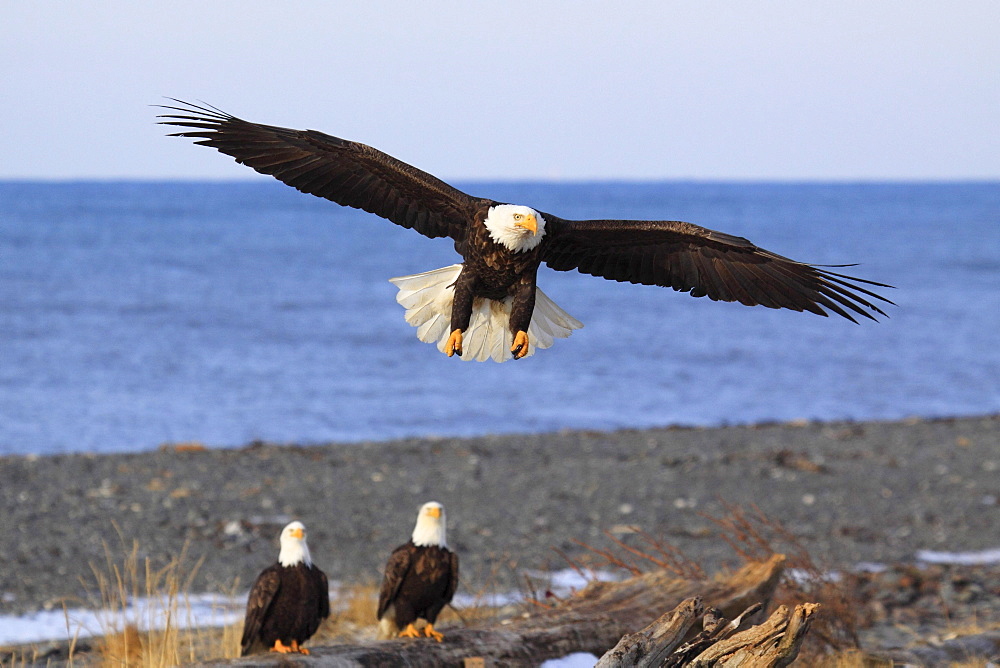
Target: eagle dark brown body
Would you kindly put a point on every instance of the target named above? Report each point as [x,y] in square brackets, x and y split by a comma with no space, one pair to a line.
[288,600]
[419,581]
[421,577]
[286,604]
[491,271]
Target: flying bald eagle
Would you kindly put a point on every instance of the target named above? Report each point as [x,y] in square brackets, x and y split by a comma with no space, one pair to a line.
[287,601]
[489,306]
[420,578]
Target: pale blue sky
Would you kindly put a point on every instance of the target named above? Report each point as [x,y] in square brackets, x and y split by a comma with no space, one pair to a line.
[817,89]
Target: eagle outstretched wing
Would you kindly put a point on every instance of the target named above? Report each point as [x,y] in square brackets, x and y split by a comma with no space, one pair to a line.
[339,170]
[264,589]
[694,259]
[395,571]
[674,254]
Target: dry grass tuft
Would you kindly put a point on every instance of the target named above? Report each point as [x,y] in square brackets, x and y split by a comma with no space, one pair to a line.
[357,604]
[144,608]
[352,616]
[851,658]
[123,647]
[858,659]
[18,658]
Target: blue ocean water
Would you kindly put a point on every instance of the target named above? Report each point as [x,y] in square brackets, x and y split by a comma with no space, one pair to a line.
[133,314]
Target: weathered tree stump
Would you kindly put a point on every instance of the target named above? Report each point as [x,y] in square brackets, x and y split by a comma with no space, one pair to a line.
[652,645]
[592,621]
[775,642]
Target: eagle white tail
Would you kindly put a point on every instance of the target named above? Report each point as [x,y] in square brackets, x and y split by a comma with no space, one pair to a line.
[427,298]
[387,629]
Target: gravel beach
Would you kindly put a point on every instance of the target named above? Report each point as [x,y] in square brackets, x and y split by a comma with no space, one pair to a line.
[851,492]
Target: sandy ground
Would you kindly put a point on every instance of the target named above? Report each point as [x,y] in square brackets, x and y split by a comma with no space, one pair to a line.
[851,492]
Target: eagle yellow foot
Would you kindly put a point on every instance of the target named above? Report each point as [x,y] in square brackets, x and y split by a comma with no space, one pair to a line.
[431,633]
[409,632]
[520,347]
[282,648]
[296,648]
[454,344]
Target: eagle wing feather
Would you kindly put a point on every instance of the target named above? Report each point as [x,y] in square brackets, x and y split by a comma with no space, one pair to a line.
[453,580]
[345,172]
[323,584]
[262,594]
[703,262]
[395,571]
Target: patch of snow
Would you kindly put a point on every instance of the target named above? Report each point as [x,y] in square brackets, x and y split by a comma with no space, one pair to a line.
[871,567]
[36,627]
[960,558]
[802,576]
[568,580]
[489,600]
[575,660]
[203,610]
[562,583]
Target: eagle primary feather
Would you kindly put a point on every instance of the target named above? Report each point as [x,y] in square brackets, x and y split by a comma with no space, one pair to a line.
[679,255]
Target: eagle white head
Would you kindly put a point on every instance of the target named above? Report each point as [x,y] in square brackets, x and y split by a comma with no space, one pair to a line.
[431,525]
[293,546]
[517,228]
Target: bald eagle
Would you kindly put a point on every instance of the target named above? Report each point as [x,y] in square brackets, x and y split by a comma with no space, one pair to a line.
[288,600]
[489,306]
[420,578]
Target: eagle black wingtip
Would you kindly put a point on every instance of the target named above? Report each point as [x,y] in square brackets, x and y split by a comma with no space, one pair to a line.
[189,111]
[866,314]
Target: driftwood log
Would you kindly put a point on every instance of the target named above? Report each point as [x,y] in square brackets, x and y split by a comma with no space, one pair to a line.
[721,644]
[593,620]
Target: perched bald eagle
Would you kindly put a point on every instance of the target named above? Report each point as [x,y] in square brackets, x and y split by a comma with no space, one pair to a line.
[288,600]
[489,306]
[420,578]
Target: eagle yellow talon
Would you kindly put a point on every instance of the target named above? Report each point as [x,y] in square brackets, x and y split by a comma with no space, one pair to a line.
[282,648]
[409,632]
[520,347]
[454,344]
[431,633]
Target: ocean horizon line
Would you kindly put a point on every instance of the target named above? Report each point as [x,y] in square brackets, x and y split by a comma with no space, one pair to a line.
[630,181]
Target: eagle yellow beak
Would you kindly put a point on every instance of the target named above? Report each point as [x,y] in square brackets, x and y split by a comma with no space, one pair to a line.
[528,223]
[434,512]
[298,533]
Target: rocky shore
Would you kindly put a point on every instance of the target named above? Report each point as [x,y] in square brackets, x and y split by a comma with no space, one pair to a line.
[850,492]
